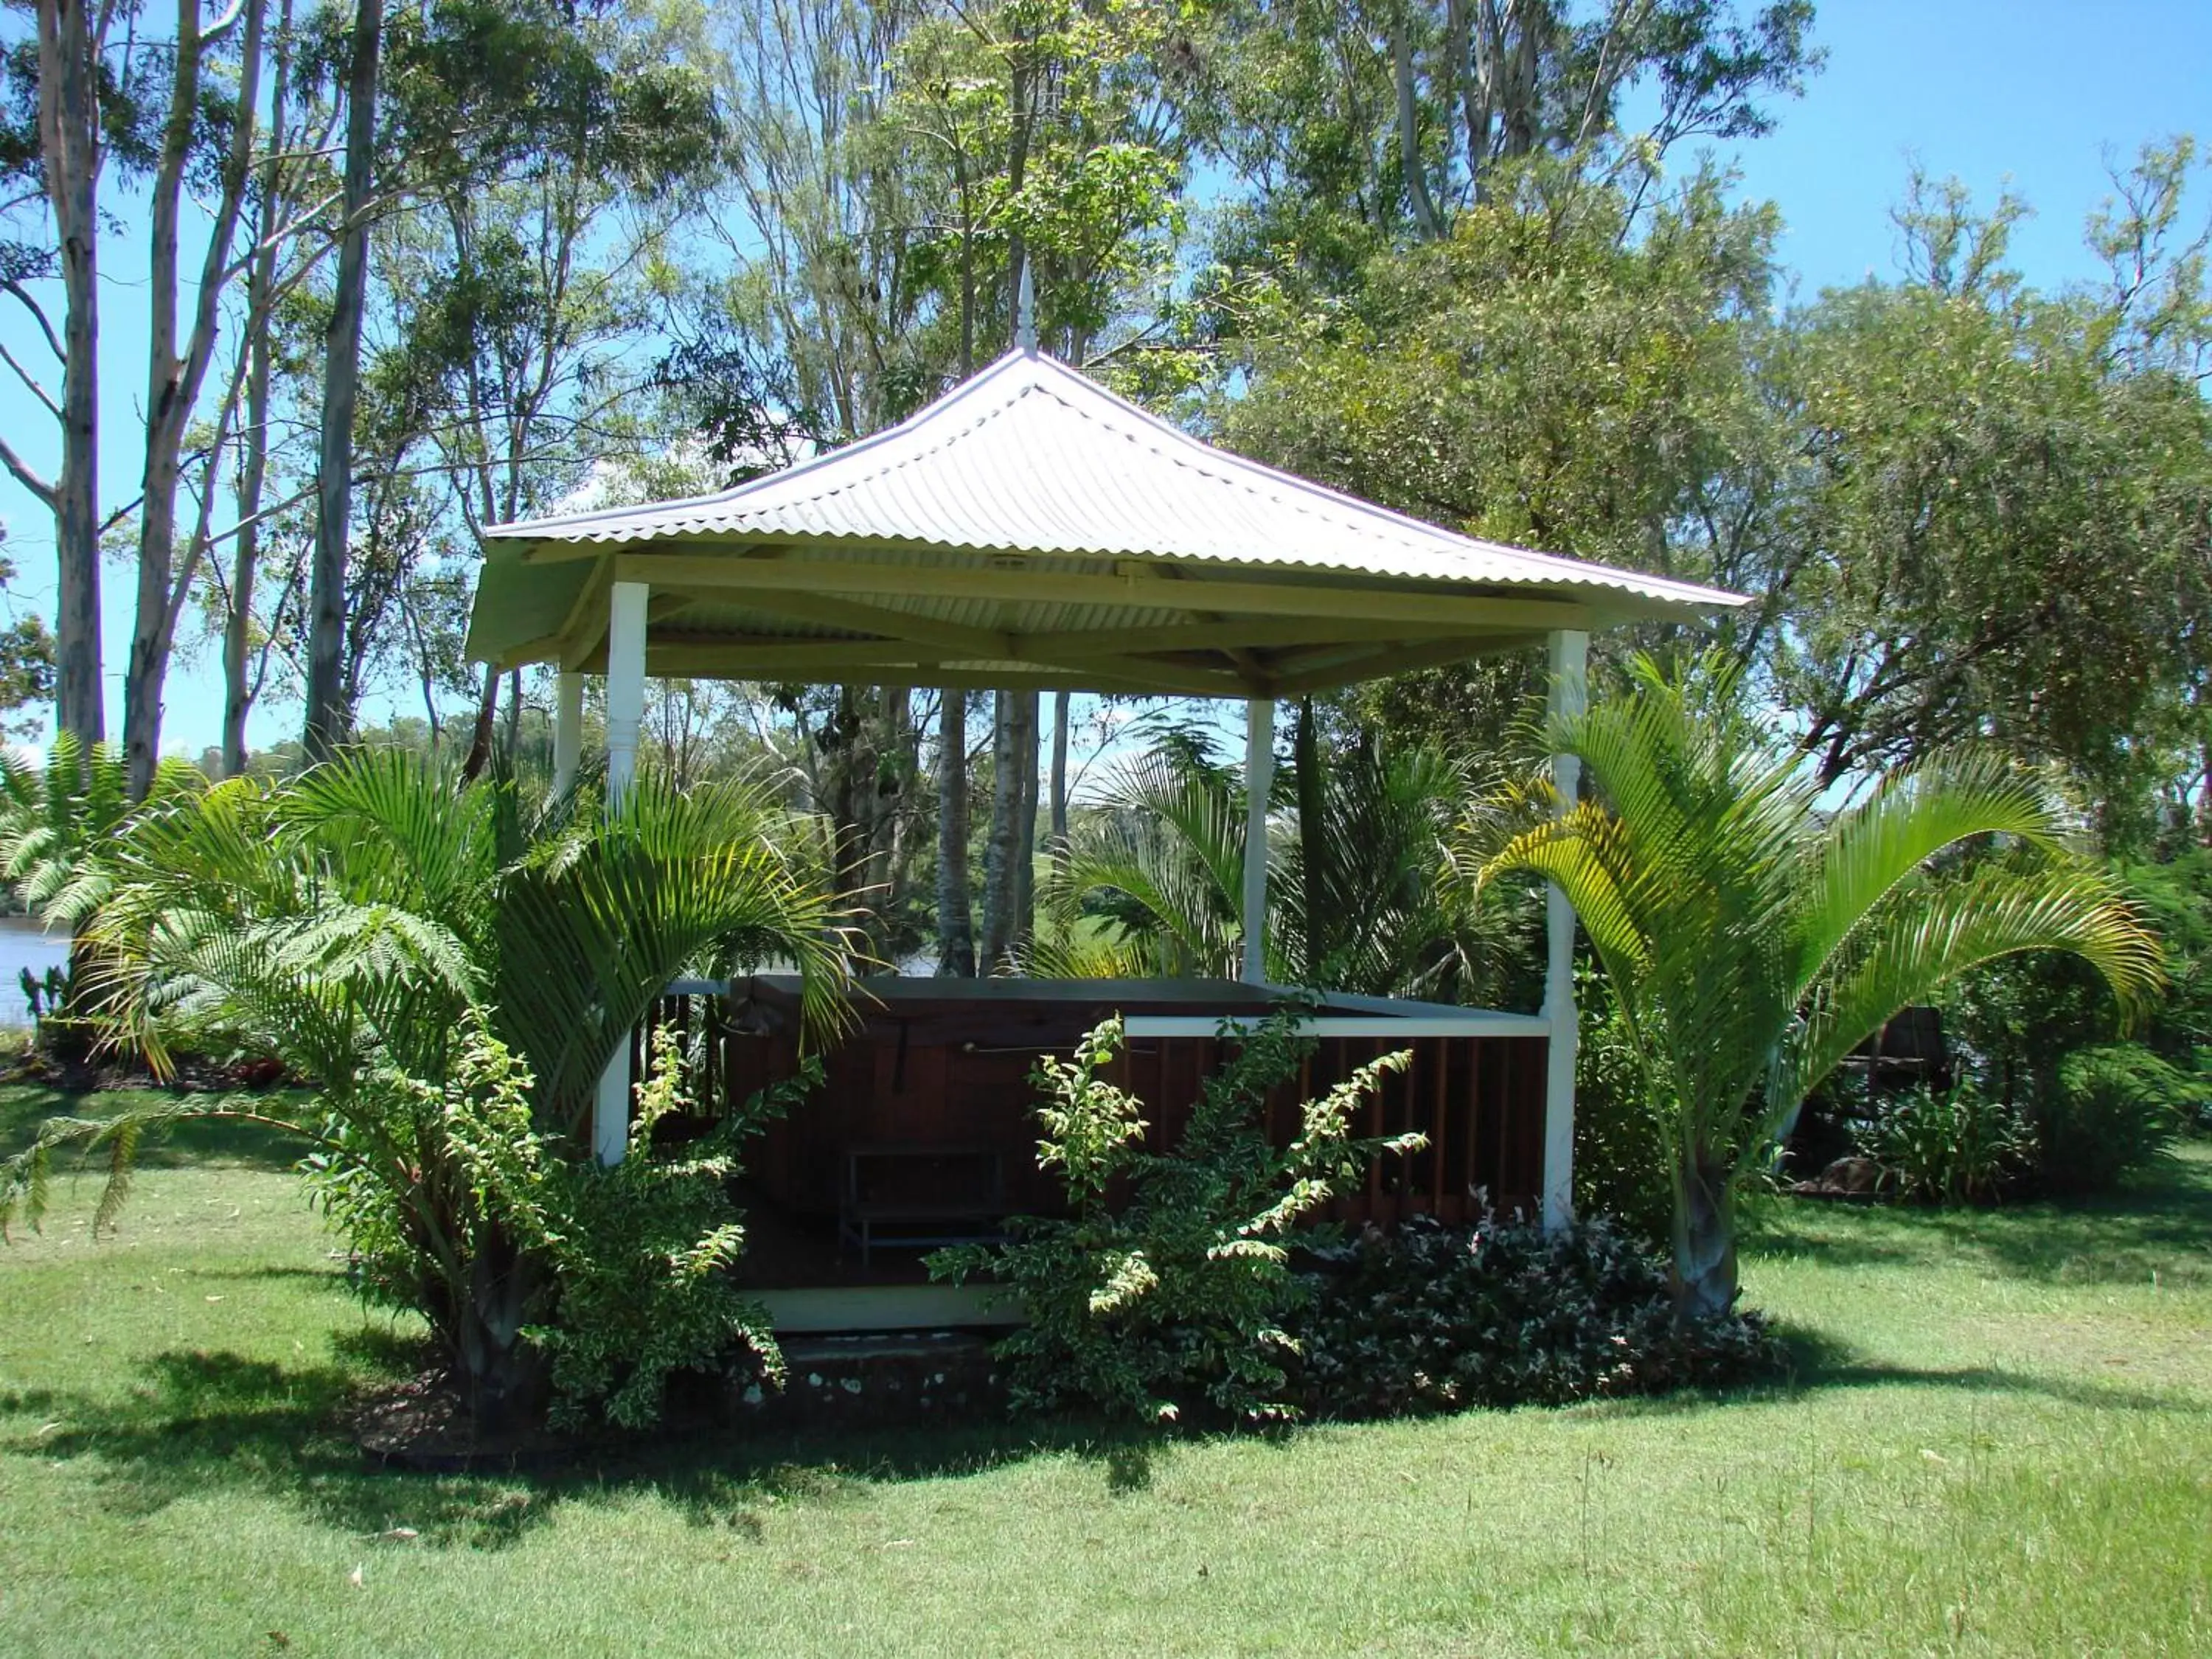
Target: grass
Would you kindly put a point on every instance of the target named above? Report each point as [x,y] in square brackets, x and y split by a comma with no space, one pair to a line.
[2000,1442]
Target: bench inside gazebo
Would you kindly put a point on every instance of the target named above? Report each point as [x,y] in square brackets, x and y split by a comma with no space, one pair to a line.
[1031,530]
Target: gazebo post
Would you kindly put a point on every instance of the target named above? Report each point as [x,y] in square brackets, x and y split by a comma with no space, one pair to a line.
[568,728]
[1569,693]
[1259,779]
[626,609]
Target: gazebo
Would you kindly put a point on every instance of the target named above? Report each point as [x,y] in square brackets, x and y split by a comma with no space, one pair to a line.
[1031,530]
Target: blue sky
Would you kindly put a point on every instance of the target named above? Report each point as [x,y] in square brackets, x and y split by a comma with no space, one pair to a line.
[2035,94]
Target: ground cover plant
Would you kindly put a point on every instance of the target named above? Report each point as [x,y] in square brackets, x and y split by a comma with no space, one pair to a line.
[1434,1318]
[1998,1440]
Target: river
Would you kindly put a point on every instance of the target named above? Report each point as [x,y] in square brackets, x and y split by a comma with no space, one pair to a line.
[24,943]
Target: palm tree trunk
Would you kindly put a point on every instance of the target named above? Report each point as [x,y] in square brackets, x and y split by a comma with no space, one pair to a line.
[1705,1275]
[503,1377]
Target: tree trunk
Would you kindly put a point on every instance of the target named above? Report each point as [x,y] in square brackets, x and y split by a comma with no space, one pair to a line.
[1312,852]
[1411,168]
[956,924]
[70,149]
[176,370]
[502,1376]
[1024,924]
[1704,1273]
[1058,820]
[327,711]
[245,560]
[479,755]
[260,295]
[1001,853]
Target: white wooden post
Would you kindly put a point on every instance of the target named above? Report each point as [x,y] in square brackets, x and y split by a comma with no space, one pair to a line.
[1259,779]
[625,711]
[625,683]
[567,728]
[1569,695]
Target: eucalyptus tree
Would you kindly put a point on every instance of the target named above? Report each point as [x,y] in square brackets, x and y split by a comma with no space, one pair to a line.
[1355,127]
[1064,160]
[1752,939]
[83,90]
[360,69]
[179,359]
[895,163]
[2001,514]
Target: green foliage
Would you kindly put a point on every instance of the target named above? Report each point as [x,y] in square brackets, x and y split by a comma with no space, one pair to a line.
[1622,1138]
[638,1255]
[1434,1318]
[1155,870]
[2000,509]
[1357,906]
[1752,941]
[61,824]
[1169,1280]
[451,982]
[1159,864]
[2116,1109]
[2021,1024]
[1957,1146]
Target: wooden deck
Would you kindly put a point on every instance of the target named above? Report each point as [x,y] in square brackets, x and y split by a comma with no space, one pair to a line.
[939,1071]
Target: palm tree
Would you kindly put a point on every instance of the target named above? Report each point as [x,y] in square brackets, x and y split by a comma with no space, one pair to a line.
[1357,906]
[60,824]
[1754,941]
[367,923]
[1153,881]
[1151,885]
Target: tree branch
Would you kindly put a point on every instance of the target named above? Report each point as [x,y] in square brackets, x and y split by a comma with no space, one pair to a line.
[24,375]
[38,313]
[23,476]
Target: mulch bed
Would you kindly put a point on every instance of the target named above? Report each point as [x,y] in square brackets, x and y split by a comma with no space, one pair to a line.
[422,1425]
[191,1074]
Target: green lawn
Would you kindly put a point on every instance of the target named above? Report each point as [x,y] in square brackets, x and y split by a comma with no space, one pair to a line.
[2000,1442]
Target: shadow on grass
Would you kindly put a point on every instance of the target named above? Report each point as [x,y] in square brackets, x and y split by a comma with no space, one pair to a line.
[197,1422]
[184,1143]
[1819,1363]
[2160,1223]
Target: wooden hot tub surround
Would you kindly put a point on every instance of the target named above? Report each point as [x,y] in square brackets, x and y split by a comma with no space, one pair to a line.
[924,1116]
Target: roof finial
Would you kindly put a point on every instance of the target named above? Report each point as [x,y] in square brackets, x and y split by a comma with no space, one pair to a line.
[1025,309]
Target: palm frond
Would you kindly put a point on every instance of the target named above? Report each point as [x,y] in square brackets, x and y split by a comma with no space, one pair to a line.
[1917,940]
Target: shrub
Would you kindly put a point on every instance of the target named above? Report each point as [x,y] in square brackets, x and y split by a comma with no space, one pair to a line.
[617,1276]
[1436,1318]
[1954,1147]
[1621,1151]
[2116,1109]
[1169,1281]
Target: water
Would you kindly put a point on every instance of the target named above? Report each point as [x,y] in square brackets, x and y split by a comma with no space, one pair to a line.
[24,943]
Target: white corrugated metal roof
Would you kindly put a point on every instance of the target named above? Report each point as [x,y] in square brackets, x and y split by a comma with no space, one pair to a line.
[1030,456]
